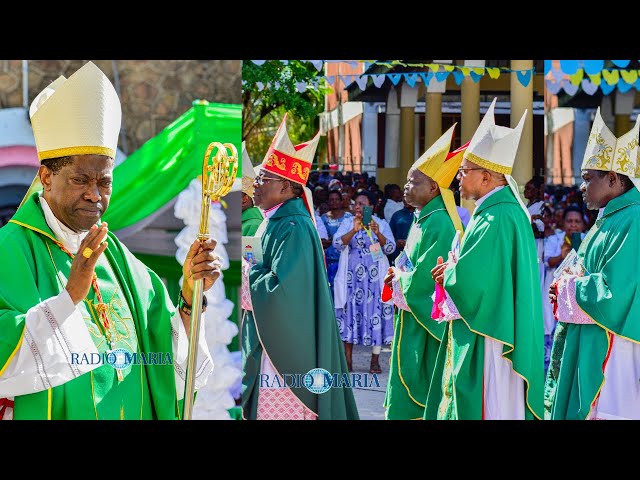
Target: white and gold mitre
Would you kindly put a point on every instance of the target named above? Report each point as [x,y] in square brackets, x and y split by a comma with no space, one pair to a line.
[248,173]
[606,152]
[80,115]
[494,147]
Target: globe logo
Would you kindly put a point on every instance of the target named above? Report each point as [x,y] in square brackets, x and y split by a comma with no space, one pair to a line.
[119,358]
[317,380]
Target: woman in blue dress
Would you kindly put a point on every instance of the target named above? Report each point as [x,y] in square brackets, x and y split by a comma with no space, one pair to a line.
[332,221]
[362,316]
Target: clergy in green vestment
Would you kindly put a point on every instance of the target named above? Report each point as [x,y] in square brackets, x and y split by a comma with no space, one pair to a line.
[595,357]
[251,215]
[290,327]
[416,336]
[86,330]
[491,355]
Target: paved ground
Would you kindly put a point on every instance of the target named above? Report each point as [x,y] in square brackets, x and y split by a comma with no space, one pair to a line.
[370,400]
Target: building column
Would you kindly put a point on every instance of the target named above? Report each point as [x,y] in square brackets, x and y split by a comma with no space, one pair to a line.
[521,100]
[470,108]
[408,99]
[623,106]
[433,111]
[470,119]
[391,130]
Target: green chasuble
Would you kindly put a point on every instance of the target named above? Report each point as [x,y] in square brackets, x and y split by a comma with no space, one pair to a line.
[608,294]
[293,317]
[496,288]
[416,336]
[138,307]
[251,219]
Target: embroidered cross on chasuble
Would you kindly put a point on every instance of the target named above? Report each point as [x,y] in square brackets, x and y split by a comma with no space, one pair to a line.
[108,392]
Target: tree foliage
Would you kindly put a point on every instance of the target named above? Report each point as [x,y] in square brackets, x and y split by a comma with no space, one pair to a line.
[263,109]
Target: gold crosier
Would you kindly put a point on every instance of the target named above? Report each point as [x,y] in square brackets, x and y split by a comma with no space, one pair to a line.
[218,174]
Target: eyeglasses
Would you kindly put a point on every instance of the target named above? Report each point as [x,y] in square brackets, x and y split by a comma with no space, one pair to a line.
[462,171]
[260,179]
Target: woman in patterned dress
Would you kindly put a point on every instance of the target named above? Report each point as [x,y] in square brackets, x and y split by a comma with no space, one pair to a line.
[362,317]
[332,221]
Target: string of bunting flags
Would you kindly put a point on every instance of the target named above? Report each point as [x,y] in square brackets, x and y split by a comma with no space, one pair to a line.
[590,75]
[438,71]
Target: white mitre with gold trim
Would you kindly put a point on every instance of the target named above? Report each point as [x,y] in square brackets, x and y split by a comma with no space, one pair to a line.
[606,152]
[494,147]
[77,116]
[248,173]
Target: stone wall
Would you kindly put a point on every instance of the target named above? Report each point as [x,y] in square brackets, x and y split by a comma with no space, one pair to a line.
[153,92]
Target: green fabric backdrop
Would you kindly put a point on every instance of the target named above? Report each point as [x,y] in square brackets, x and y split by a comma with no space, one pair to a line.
[163,167]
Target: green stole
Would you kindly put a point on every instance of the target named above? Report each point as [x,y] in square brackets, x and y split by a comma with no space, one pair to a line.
[495,286]
[293,317]
[609,296]
[416,336]
[138,304]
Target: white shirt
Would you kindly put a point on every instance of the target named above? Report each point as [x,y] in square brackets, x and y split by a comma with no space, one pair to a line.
[487,195]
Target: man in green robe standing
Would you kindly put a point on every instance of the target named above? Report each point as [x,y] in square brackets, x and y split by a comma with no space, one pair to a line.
[416,336]
[492,354]
[595,358]
[251,216]
[290,328]
[86,330]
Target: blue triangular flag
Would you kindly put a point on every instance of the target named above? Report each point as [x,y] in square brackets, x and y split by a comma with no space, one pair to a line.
[569,87]
[426,77]
[524,77]
[623,86]
[552,87]
[606,88]
[591,67]
[442,76]
[395,78]
[475,76]
[362,82]
[458,76]
[347,79]
[569,66]
[378,80]
[411,79]
[621,63]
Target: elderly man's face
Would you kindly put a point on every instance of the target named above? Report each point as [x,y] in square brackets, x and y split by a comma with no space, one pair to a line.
[596,190]
[79,193]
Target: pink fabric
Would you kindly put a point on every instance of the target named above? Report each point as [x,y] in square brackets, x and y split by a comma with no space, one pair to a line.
[282,404]
[245,301]
[568,309]
[444,310]
[398,297]
[438,299]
